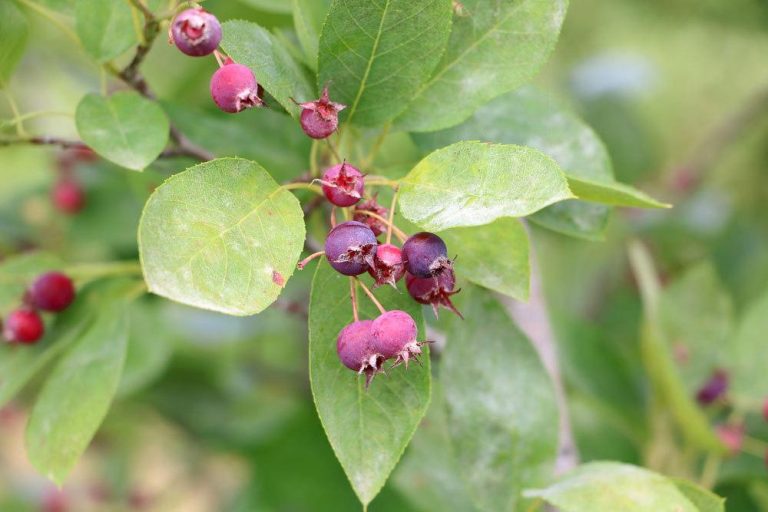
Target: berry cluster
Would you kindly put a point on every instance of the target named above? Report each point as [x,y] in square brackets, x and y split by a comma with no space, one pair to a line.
[52,292]
[352,248]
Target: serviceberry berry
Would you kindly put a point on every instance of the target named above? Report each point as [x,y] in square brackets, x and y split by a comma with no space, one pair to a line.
[394,336]
[714,388]
[196,32]
[350,248]
[52,291]
[388,267]
[433,291]
[234,88]
[68,196]
[343,184]
[426,255]
[23,325]
[354,347]
[732,436]
[320,118]
[371,205]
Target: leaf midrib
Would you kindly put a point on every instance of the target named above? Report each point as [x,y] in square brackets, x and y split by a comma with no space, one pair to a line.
[368,67]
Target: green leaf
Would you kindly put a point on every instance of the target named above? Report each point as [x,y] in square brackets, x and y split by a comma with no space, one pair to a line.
[697,317]
[702,499]
[14,31]
[76,396]
[616,194]
[280,146]
[276,6]
[429,474]
[474,183]
[150,345]
[124,128]
[496,47]
[308,18]
[222,235]
[63,6]
[529,117]
[495,255]
[368,430]
[106,29]
[611,486]
[376,55]
[275,69]
[748,375]
[502,411]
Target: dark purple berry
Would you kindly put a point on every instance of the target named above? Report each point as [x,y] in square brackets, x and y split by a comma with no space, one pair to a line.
[714,388]
[433,291]
[53,291]
[320,118]
[196,32]
[426,255]
[371,205]
[234,88]
[355,349]
[394,337]
[343,184]
[388,267]
[23,326]
[68,196]
[350,248]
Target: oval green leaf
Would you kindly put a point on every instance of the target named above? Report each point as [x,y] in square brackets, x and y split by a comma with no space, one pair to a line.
[14,31]
[376,55]
[748,375]
[502,411]
[611,486]
[494,48]
[495,256]
[124,128]
[222,235]
[106,29]
[615,193]
[76,396]
[276,70]
[473,183]
[529,117]
[368,430]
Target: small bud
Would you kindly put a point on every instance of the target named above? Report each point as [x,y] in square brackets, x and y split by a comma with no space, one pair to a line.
[714,388]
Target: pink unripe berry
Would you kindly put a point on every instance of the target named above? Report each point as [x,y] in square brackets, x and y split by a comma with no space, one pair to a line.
[765,409]
[371,205]
[732,436]
[394,336]
[388,267]
[350,248]
[68,196]
[426,255]
[343,184]
[23,326]
[433,291]
[196,32]
[52,291]
[355,349]
[234,88]
[320,118]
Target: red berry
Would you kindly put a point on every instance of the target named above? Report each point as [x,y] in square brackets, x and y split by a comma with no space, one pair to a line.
[371,205]
[388,267]
[714,388]
[433,291]
[320,118]
[355,349]
[343,184]
[765,409]
[68,196]
[234,88]
[426,255]
[350,248]
[196,32]
[732,436]
[53,291]
[394,336]
[23,326]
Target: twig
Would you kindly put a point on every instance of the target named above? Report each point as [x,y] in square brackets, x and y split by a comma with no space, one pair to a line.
[42,140]
[371,296]
[353,296]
